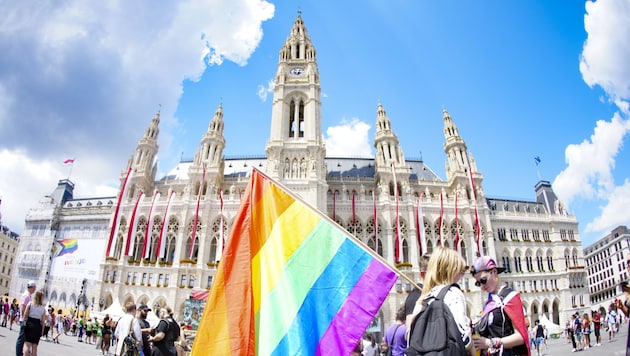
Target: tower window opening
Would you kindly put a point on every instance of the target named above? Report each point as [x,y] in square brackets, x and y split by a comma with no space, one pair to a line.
[301,118]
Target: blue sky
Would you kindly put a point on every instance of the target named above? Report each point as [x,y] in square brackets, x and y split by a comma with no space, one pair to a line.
[520,79]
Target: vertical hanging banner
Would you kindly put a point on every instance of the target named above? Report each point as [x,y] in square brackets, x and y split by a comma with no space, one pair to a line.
[193,233]
[160,251]
[375,222]
[397,240]
[441,219]
[473,194]
[354,214]
[422,242]
[133,228]
[335,205]
[147,233]
[222,227]
[116,218]
[456,223]
[290,282]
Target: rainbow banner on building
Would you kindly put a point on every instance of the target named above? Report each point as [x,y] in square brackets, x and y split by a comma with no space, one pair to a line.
[64,247]
[290,282]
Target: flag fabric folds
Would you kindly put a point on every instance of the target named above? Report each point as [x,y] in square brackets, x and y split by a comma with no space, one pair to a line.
[290,282]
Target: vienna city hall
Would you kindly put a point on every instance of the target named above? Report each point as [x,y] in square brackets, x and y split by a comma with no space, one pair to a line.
[170,230]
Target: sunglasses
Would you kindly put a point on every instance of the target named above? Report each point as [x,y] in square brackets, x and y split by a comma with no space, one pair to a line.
[481,281]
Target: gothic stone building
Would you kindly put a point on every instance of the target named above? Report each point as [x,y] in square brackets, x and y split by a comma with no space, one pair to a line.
[537,241]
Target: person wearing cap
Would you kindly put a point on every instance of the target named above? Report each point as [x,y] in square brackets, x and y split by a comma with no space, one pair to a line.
[143,311]
[502,327]
[24,300]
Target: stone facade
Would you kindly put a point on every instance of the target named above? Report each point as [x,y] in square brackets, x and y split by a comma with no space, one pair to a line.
[607,266]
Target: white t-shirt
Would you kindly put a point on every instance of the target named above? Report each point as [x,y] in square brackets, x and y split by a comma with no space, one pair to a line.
[126,323]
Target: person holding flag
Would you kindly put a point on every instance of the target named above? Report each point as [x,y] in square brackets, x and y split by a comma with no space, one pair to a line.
[502,326]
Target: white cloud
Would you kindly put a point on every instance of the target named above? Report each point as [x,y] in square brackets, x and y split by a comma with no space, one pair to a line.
[615,212]
[85,78]
[348,139]
[263,92]
[590,171]
[606,52]
[590,164]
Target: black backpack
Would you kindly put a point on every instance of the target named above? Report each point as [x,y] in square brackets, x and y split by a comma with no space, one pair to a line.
[434,331]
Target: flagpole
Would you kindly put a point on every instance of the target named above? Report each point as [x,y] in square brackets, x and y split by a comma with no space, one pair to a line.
[331,221]
[72,165]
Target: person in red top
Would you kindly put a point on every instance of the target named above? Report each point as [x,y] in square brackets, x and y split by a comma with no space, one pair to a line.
[597,324]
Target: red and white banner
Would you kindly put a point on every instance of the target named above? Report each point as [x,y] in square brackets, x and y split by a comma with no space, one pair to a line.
[473,193]
[116,218]
[160,251]
[456,223]
[398,240]
[147,235]
[375,222]
[422,242]
[193,233]
[222,232]
[441,218]
[133,228]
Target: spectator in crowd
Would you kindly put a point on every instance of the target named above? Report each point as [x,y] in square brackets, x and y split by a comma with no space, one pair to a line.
[502,325]
[24,301]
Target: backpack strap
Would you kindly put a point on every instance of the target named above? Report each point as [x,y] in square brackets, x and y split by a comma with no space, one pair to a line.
[393,336]
[445,290]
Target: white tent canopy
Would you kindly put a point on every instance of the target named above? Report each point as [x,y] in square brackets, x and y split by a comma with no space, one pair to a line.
[115,311]
[553,328]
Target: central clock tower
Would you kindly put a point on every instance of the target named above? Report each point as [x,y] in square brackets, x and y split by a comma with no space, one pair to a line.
[296,151]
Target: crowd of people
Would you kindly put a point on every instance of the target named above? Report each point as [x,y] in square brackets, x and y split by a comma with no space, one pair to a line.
[129,335]
[500,329]
[586,330]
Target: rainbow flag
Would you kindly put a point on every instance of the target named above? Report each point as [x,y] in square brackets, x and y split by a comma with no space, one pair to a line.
[64,247]
[290,282]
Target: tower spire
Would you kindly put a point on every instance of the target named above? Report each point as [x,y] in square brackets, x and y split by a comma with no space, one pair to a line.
[295,150]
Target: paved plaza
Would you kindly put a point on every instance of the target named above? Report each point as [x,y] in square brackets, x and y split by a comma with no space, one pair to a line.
[70,347]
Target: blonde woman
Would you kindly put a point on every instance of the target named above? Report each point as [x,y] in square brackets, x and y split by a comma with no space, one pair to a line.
[35,317]
[446,267]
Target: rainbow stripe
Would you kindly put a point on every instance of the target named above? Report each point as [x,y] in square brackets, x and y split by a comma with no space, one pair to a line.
[290,282]
[67,246]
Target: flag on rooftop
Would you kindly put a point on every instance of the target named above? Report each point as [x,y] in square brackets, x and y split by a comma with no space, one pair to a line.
[537,160]
[290,282]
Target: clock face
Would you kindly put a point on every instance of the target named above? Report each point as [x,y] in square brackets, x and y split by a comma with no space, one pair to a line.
[297,71]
